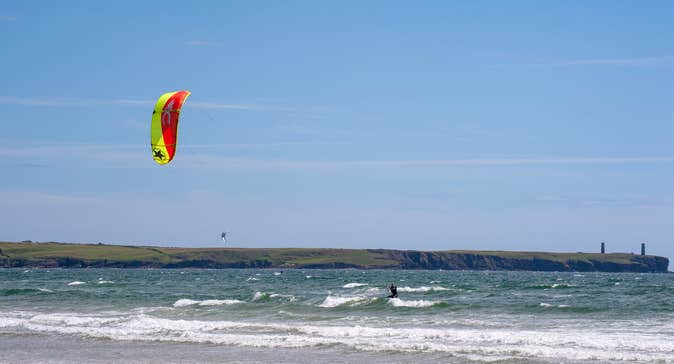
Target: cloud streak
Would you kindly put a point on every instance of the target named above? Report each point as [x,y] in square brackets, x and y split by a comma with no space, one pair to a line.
[193,156]
[76,102]
[37,101]
[628,200]
[203,161]
[220,106]
[623,61]
[201,43]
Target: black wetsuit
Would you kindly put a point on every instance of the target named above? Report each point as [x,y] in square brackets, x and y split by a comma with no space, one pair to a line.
[394,291]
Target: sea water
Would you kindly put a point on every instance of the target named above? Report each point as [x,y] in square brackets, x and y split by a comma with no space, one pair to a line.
[308,316]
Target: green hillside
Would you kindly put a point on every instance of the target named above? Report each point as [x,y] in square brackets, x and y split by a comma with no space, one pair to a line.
[28,254]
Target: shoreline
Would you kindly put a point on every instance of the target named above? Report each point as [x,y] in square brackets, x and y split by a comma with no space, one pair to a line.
[40,347]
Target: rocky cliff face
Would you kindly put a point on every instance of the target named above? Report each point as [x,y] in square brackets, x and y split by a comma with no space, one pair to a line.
[470,261]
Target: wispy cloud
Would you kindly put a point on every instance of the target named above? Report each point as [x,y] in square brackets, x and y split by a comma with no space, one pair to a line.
[220,106]
[202,43]
[77,102]
[623,61]
[81,156]
[195,160]
[256,145]
[312,131]
[195,156]
[132,102]
[38,101]
[629,200]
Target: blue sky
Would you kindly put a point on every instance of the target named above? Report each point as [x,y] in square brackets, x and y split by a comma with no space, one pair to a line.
[434,125]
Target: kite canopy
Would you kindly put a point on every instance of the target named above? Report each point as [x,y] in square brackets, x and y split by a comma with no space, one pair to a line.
[164,129]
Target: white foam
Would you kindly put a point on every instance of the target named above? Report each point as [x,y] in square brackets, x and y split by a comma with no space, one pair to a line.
[333,301]
[260,295]
[288,296]
[308,277]
[546,305]
[11,321]
[76,283]
[105,282]
[354,285]
[397,302]
[184,302]
[188,302]
[252,279]
[277,273]
[218,302]
[422,289]
[44,290]
[548,343]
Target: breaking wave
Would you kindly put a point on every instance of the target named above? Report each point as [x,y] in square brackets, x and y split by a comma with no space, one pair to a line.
[354,285]
[264,296]
[486,343]
[335,301]
[187,302]
[422,289]
[397,302]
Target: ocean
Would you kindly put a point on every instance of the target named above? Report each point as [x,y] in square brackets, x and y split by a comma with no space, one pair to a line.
[333,316]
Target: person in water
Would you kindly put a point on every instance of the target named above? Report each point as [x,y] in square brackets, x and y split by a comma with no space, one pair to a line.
[394,291]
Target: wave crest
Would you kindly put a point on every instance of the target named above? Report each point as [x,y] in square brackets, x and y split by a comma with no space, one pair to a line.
[188,302]
[334,301]
[354,285]
[422,289]
[397,302]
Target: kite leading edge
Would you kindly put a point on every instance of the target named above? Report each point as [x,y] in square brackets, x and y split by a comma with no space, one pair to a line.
[164,129]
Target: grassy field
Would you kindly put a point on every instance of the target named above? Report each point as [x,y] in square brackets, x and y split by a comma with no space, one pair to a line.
[34,251]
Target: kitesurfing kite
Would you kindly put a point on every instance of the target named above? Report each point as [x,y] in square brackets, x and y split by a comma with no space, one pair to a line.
[164,129]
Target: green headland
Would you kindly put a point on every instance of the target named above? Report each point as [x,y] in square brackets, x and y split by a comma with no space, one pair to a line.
[29,254]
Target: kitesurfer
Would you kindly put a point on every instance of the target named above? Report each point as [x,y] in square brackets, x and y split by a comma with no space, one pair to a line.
[394,291]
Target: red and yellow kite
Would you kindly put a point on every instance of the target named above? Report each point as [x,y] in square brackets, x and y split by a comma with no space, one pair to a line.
[164,130]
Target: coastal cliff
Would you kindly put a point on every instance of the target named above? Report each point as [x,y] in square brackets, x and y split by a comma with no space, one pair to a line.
[27,254]
[530,261]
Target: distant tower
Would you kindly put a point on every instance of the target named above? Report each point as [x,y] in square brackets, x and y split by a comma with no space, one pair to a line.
[603,248]
[643,248]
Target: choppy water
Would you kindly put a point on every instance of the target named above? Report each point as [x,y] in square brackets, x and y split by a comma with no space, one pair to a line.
[340,315]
